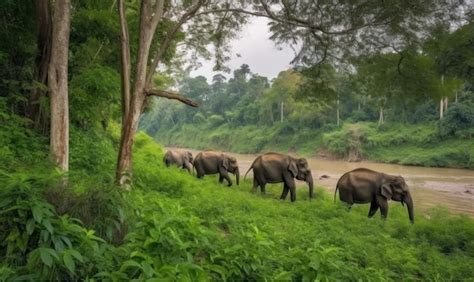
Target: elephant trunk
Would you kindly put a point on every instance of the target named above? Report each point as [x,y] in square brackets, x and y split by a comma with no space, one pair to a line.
[409,201]
[309,180]
[237,176]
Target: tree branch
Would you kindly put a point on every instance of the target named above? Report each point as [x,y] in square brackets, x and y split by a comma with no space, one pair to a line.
[169,37]
[171,95]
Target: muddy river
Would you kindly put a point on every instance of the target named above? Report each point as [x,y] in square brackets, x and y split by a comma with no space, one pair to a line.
[446,187]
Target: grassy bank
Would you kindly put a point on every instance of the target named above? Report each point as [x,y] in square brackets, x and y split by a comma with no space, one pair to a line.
[419,144]
[173,226]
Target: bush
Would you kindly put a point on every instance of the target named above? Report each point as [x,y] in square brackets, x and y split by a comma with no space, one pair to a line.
[459,121]
[38,244]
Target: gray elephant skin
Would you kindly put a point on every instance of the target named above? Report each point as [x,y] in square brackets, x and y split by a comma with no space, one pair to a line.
[278,168]
[181,158]
[367,186]
[210,162]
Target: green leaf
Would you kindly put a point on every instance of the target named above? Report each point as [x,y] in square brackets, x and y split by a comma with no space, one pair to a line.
[46,257]
[37,213]
[69,262]
[30,226]
[47,224]
[77,255]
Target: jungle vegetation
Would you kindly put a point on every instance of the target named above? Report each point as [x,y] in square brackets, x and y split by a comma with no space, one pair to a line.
[84,196]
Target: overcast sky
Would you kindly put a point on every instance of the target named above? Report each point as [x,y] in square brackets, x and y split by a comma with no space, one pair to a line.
[256,50]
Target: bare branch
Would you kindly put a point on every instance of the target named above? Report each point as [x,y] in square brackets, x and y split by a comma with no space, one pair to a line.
[171,95]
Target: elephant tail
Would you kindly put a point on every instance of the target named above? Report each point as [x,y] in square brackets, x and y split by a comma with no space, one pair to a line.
[248,171]
[250,168]
[337,185]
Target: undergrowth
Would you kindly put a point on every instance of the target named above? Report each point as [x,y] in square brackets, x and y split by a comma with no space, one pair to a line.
[172,226]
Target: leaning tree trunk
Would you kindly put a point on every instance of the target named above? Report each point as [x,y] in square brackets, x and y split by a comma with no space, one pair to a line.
[58,84]
[150,16]
[124,163]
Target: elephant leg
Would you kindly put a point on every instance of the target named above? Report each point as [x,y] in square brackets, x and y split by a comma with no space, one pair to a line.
[262,188]
[226,176]
[199,173]
[383,204]
[221,179]
[293,193]
[373,208]
[290,183]
[255,185]
[285,191]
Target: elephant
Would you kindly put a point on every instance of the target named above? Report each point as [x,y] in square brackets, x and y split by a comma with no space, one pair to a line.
[363,185]
[276,168]
[210,162]
[181,158]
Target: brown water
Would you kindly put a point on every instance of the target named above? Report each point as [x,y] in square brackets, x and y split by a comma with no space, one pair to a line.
[446,187]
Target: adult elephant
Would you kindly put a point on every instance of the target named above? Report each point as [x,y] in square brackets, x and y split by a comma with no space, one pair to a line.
[363,185]
[180,158]
[210,162]
[277,168]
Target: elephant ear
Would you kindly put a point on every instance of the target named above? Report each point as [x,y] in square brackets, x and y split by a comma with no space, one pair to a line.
[386,191]
[225,162]
[293,168]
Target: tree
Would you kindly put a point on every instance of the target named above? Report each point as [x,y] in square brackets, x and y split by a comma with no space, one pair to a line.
[58,83]
[282,91]
[172,16]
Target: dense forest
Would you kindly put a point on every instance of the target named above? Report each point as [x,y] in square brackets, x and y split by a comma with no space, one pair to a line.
[358,110]
[84,194]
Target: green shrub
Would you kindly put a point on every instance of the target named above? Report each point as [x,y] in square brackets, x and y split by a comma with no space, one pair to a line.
[459,118]
[35,242]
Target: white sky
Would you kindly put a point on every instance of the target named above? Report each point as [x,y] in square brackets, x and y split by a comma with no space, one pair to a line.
[256,50]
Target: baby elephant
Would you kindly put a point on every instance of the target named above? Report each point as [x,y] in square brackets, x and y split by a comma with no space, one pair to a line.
[210,162]
[363,185]
[277,168]
[180,158]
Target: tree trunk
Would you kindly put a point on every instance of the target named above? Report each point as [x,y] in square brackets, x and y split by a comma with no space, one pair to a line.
[441,102]
[58,84]
[43,55]
[337,112]
[124,163]
[148,24]
[456,98]
[126,62]
[151,13]
[380,116]
[445,104]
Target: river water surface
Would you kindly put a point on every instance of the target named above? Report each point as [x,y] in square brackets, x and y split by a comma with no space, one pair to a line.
[446,187]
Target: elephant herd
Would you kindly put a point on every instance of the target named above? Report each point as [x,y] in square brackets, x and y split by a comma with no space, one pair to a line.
[358,186]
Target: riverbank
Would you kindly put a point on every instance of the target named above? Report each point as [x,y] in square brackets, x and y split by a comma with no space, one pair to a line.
[449,188]
[419,144]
